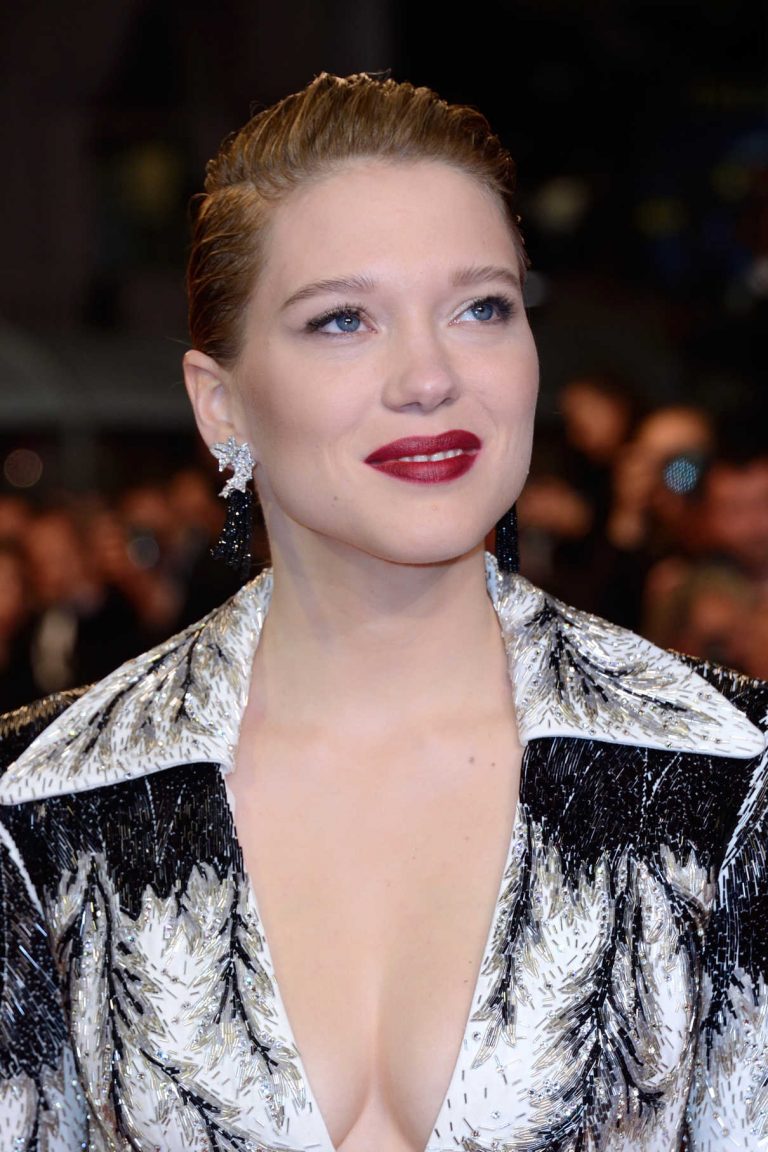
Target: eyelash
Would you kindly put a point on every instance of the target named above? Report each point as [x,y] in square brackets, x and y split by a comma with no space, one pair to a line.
[505,308]
[504,305]
[319,322]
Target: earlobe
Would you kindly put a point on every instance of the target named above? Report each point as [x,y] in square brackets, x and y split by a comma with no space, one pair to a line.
[211,393]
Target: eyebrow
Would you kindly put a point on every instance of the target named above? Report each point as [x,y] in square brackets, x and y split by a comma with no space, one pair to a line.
[482,274]
[341,284]
[464,277]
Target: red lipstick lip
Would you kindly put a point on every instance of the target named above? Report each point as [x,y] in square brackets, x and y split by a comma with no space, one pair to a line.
[396,459]
[453,441]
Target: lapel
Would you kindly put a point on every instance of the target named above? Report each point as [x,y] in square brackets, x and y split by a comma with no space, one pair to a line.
[575,674]
[572,674]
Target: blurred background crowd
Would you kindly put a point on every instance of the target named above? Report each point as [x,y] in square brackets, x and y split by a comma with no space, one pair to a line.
[641,136]
[655,518]
[87,582]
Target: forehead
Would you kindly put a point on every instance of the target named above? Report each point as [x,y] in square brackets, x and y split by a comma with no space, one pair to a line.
[380,212]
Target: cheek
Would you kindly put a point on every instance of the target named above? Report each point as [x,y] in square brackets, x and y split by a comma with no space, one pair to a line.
[288,397]
[520,398]
[527,376]
[298,436]
[273,416]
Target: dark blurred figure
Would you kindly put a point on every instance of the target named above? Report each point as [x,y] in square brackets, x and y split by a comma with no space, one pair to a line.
[564,506]
[735,511]
[714,612]
[121,565]
[82,626]
[599,414]
[171,526]
[711,600]
[17,685]
[607,545]
[706,612]
[14,514]
[653,508]
[647,512]
[199,515]
[153,535]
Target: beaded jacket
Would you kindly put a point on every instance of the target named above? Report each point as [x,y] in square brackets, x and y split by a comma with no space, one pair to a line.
[621,1002]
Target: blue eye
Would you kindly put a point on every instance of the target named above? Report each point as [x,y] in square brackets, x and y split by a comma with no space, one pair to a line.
[483,310]
[490,309]
[346,320]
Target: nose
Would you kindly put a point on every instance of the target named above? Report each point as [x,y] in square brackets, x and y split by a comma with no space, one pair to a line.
[420,373]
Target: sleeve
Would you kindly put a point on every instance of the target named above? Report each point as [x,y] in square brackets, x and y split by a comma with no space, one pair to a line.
[728,1102]
[41,1107]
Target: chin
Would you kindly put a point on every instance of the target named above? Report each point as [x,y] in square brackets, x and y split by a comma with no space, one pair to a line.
[421,552]
[415,540]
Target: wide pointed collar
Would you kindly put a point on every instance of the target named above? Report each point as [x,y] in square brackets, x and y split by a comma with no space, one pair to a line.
[575,674]
[572,674]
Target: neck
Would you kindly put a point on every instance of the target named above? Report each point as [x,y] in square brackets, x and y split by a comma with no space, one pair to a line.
[374,640]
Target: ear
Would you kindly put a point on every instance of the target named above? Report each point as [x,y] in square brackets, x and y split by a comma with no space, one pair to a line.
[212,394]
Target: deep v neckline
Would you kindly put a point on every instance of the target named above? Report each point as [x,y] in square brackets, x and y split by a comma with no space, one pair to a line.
[443,1124]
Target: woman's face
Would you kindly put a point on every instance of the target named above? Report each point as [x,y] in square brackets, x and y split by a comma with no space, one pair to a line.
[388,325]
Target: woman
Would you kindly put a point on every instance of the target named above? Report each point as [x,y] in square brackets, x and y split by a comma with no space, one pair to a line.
[391,852]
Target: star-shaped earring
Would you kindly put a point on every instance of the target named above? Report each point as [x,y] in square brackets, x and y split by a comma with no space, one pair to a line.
[238,457]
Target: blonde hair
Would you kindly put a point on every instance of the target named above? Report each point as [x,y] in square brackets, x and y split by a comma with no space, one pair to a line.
[307,135]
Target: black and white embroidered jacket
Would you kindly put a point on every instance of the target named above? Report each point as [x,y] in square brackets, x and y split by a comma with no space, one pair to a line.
[621,1002]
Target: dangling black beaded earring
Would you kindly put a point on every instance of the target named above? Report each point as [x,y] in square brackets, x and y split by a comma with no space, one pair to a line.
[234,543]
[506,543]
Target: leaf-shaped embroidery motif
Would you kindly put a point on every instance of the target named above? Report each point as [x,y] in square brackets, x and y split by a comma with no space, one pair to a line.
[174,1015]
[575,669]
[601,996]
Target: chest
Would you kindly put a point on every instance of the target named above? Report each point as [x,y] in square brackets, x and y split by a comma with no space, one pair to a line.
[388,882]
[577,1015]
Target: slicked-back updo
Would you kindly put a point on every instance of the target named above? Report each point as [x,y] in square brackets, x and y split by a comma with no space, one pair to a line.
[305,136]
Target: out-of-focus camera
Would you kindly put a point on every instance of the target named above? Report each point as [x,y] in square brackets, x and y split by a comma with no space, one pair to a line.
[682,473]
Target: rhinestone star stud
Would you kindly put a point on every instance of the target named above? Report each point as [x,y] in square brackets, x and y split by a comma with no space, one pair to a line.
[238,457]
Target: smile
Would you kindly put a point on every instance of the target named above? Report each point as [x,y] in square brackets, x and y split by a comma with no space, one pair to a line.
[434,456]
[427,459]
